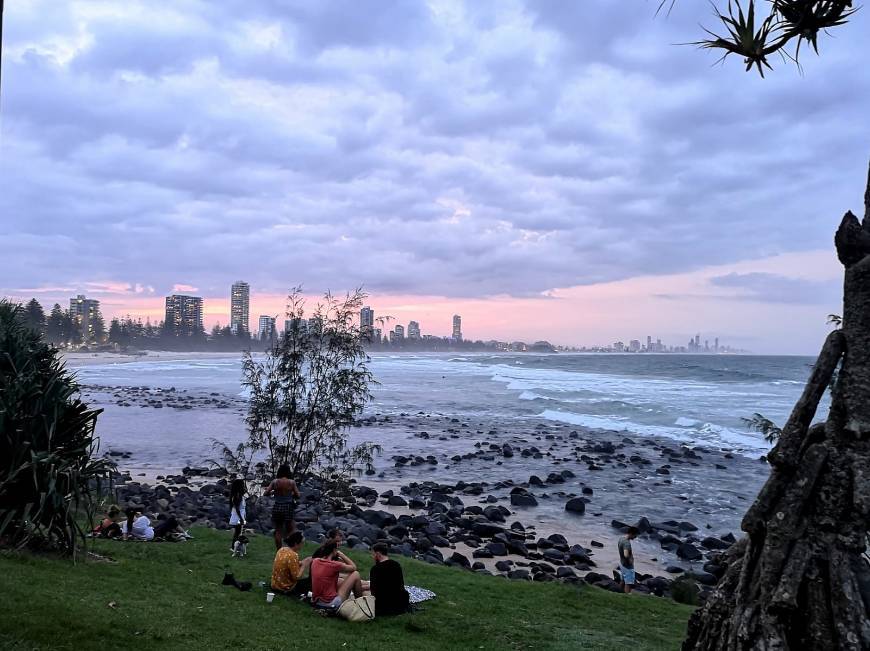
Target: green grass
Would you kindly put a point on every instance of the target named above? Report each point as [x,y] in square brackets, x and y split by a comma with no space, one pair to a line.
[168,596]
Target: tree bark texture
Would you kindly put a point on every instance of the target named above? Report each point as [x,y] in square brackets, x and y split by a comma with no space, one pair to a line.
[798,579]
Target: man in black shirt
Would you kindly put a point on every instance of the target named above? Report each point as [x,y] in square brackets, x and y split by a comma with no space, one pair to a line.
[387,583]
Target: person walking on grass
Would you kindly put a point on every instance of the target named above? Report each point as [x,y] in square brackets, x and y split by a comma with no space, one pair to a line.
[626,559]
[286,493]
[238,490]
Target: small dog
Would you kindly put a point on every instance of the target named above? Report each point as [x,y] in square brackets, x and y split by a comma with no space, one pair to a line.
[240,547]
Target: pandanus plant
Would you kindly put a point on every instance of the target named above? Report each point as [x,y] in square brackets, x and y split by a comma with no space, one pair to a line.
[49,473]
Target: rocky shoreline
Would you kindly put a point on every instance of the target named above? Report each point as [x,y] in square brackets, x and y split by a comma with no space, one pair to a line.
[438,520]
[548,500]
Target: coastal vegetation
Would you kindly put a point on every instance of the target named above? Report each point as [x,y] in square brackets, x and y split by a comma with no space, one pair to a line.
[49,473]
[169,595]
[779,27]
[310,386]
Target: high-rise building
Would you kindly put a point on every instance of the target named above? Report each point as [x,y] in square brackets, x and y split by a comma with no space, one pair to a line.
[367,323]
[649,344]
[634,346]
[400,332]
[240,304]
[183,316]
[85,312]
[414,330]
[716,345]
[266,327]
[298,324]
[457,327]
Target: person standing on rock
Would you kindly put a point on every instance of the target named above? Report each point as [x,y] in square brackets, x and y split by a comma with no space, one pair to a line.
[626,559]
[286,493]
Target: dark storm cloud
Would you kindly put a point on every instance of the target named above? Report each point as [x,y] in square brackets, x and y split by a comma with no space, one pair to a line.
[442,148]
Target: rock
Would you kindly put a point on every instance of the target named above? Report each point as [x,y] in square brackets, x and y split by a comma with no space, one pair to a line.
[522,575]
[397,500]
[714,543]
[565,572]
[534,480]
[519,499]
[704,578]
[497,549]
[674,569]
[459,559]
[576,505]
[380,519]
[597,544]
[689,552]
[507,450]
[485,529]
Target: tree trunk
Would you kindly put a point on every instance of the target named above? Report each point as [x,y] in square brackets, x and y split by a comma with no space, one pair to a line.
[798,579]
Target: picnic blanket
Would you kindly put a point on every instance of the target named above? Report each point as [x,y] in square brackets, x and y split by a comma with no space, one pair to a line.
[419,594]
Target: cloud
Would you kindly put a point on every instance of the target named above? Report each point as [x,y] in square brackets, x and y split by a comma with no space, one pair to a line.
[184,289]
[442,149]
[773,288]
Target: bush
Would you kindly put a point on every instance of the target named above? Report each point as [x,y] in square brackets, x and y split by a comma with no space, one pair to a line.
[47,442]
[685,591]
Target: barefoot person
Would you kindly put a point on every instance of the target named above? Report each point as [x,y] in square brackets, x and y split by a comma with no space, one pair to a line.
[328,589]
[286,493]
[626,559]
[288,570]
[387,583]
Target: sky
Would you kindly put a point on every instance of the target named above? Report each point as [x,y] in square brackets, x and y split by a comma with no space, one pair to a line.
[547,169]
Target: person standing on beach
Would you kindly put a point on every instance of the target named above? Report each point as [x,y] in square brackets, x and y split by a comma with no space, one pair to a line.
[626,559]
[286,493]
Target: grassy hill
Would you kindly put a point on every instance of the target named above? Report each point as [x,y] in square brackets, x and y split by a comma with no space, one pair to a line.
[168,596]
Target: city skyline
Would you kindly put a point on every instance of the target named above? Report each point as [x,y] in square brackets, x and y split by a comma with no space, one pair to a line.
[194,310]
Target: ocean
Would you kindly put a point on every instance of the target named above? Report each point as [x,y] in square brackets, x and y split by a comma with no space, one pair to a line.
[450,406]
[698,399]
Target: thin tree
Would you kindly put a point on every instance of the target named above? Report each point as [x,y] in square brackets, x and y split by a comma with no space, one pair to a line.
[799,579]
[305,392]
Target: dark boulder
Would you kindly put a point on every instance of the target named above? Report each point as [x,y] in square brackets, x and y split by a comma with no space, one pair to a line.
[576,505]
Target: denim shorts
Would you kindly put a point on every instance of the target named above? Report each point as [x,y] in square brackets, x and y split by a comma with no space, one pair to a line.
[627,575]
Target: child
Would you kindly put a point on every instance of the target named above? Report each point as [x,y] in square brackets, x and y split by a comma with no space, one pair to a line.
[238,490]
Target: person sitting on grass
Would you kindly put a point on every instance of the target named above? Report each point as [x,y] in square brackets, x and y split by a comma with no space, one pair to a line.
[387,583]
[288,570]
[137,526]
[334,536]
[109,527]
[626,559]
[329,591]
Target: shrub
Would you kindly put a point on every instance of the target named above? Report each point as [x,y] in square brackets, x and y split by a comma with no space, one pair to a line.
[47,443]
[685,591]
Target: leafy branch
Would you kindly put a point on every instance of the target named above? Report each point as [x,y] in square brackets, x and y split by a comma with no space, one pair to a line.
[787,23]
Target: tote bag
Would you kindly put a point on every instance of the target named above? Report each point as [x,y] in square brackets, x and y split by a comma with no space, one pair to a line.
[361,609]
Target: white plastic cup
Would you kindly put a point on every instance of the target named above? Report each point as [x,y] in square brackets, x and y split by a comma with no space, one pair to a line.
[269,597]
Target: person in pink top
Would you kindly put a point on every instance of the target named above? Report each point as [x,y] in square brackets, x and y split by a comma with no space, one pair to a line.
[327,588]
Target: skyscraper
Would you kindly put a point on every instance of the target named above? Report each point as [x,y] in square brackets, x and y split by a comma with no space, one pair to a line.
[240,304]
[85,313]
[367,323]
[400,332]
[457,327]
[183,316]
[414,330]
[266,328]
